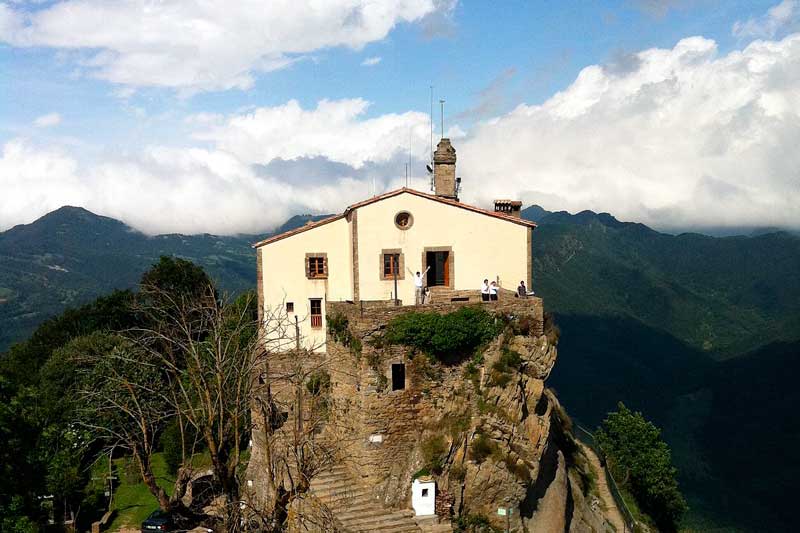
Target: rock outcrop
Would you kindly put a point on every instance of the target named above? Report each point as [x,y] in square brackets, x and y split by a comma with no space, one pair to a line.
[484,426]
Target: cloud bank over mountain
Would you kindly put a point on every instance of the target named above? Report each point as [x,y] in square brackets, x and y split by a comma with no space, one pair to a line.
[685,137]
[678,137]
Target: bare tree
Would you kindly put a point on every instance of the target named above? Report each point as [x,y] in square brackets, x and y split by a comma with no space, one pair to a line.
[291,424]
[207,365]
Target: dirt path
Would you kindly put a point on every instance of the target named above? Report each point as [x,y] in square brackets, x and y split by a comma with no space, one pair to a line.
[613,514]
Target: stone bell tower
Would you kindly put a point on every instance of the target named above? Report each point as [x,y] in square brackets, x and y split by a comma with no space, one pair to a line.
[444,170]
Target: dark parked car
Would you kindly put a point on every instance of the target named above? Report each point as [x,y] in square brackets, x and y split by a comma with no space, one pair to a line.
[157,521]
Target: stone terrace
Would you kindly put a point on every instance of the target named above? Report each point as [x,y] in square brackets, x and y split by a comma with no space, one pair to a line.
[443,301]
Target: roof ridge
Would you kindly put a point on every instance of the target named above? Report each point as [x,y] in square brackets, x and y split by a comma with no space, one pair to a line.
[390,194]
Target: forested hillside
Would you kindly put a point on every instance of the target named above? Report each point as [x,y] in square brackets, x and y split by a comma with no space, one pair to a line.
[700,333]
[71,256]
[723,296]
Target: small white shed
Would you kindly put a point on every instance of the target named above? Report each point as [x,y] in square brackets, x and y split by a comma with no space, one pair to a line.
[423,496]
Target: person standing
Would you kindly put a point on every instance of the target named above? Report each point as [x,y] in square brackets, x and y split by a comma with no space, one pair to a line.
[426,296]
[493,288]
[522,290]
[485,291]
[418,285]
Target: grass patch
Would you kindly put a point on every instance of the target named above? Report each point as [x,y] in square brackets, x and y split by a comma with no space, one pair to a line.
[133,502]
[434,452]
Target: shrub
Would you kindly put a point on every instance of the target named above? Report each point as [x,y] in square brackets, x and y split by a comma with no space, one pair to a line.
[475,523]
[319,382]
[339,330]
[458,425]
[434,452]
[444,336]
[508,362]
[551,329]
[171,446]
[481,448]
[422,472]
[523,325]
[637,454]
[458,472]
[499,378]
[518,468]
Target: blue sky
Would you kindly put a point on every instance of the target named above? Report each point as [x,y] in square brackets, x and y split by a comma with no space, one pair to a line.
[113,107]
[545,44]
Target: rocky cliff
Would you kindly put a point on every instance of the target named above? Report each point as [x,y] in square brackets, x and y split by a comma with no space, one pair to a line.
[481,424]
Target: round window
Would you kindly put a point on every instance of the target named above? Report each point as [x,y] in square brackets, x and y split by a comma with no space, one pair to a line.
[403,220]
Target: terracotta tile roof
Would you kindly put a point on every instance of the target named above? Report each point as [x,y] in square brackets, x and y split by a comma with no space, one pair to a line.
[390,194]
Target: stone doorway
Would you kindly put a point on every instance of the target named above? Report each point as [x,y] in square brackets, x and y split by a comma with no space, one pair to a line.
[398,376]
[440,262]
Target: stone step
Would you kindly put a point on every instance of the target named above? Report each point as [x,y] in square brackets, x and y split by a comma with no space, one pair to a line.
[331,483]
[334,495]
[354,506]
[358,508]
[377,516]
[411,526]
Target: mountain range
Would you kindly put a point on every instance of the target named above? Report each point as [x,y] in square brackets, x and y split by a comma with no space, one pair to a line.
[700,333]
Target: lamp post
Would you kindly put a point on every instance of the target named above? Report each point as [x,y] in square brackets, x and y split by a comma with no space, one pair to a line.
[395,267]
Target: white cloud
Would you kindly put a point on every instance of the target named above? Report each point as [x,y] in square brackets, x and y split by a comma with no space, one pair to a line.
[679,137]
[371,61]
[159,190]
[48,120]
[777,18]
[196,45]
[335,129]
[263,167]
[684,137]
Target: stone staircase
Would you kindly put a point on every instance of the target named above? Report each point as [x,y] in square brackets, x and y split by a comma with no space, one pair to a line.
[431,524]
[354,507]
[446,295]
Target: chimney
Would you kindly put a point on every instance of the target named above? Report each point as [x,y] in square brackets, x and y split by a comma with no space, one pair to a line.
[509,207]
[444,170]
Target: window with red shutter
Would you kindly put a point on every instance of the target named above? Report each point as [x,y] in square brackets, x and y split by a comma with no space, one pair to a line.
[316,312]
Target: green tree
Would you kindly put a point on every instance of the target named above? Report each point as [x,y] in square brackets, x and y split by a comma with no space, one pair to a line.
[640,459]
[24,359]
[174,279]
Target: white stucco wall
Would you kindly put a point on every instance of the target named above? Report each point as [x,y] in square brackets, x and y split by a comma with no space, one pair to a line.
[423,505]
[482,246]
[284,278]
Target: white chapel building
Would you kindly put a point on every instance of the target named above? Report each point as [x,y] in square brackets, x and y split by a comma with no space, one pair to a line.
[362,254]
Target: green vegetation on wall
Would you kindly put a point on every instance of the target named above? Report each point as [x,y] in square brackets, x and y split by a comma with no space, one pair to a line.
[444,335]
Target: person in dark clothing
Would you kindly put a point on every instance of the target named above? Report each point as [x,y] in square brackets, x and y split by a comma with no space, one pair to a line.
[522,290]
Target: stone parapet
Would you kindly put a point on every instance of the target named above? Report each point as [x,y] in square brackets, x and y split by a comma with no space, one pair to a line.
[381,312]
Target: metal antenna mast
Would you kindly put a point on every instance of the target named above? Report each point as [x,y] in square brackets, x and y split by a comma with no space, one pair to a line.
[431,161]
[441,103]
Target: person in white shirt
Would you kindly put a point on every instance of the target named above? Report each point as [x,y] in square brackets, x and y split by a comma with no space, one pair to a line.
[485,291]
[493,288]
[418,296]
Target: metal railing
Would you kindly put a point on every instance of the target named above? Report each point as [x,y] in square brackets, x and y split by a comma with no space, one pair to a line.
[587,438]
